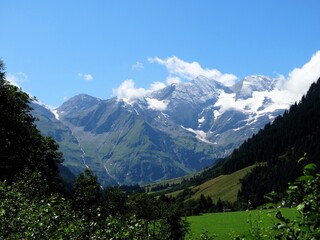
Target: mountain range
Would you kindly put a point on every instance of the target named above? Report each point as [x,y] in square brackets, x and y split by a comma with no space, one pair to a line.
[166,133]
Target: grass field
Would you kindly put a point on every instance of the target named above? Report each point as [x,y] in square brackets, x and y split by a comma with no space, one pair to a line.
[231,224]
[225,186]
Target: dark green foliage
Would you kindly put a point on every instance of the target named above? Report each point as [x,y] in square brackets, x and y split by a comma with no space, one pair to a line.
[114,202]
[278,145]
[303,194]
[143,205]
[174,227]
[28,210]
[53,217]
[21,144]
[191,207]
[32,185]
[86,194]
[219,205]
[23,218]
[158,215]
[205,203]
[159,187]
[185,194]
[131,189]
[269,177]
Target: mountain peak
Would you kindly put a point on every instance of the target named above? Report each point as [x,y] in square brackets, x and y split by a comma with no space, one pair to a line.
[83,97]
[78,103]
[249,84]
[201,78]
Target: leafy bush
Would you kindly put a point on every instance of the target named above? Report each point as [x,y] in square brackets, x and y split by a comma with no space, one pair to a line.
[23,216]
[304,195]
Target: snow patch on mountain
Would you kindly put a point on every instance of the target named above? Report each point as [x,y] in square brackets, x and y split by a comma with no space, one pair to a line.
[201,120]
[254,83]
[216,114]
[165,115]
[155,104]
[128,101]
[200,135]
[237,129]
[55,113]
[260,101]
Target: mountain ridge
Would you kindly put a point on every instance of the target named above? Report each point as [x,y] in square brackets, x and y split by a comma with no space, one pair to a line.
[167,133]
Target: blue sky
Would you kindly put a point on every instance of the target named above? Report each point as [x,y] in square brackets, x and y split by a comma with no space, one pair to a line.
[57,49]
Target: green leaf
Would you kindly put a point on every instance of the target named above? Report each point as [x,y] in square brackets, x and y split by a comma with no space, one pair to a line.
[310,166]
[300,207]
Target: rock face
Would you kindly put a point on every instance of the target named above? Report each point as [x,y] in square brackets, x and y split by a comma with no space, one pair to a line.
[168,133]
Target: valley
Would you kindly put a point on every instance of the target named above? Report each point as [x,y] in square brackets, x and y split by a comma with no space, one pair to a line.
[160,120]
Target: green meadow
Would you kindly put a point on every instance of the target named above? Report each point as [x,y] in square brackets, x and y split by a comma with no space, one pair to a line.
[230,225]
[225,187]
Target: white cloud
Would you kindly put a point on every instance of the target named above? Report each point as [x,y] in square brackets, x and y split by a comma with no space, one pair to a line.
[156,86]
[290,89]
[128,91]
[180,68]
[177,69]
[172,80]
[87,77]
[17,78]
[155,104]
[300,79]
[227,101]
[137,66]
[12,79]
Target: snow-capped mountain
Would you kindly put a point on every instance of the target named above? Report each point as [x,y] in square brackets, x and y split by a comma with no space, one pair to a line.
[245,88]
[167,133]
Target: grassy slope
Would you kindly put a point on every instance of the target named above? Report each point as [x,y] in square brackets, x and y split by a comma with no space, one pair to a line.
[231,224]
[225,186]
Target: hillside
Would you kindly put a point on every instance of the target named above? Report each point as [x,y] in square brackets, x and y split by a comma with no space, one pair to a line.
[225,187]
[279,145]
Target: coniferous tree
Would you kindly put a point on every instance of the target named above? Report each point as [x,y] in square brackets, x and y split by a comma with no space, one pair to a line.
[278,146]
[219,205]
[114,202]
[21,144]
[87,194]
